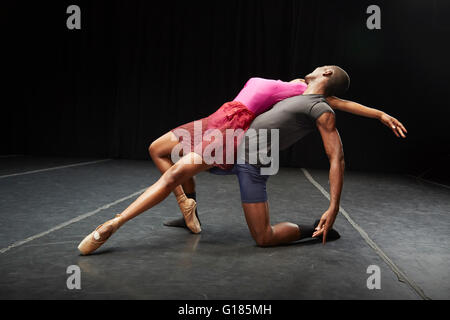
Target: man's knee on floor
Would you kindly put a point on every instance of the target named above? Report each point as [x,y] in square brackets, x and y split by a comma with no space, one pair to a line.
[264,238]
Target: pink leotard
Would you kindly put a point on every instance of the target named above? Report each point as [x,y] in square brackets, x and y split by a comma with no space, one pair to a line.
[259,95]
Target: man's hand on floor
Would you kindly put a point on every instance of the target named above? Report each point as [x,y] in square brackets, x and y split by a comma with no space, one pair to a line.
[325,224]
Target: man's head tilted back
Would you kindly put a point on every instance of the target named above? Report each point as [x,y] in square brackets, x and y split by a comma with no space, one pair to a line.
[334,79]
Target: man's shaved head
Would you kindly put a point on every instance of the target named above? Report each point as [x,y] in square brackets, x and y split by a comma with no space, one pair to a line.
[337,81]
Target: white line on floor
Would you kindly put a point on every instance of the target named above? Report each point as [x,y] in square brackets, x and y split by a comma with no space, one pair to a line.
[428,181]
[399,273]
[65,224]
[54,168]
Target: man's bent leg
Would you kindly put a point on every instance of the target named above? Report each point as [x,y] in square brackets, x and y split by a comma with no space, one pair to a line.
[256,208]
[258,221]
[254,202]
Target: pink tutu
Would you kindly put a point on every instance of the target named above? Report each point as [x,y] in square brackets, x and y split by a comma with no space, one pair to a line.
[232,115]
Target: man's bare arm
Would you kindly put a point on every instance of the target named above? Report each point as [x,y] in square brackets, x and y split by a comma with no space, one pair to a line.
[355,108]
[334,150]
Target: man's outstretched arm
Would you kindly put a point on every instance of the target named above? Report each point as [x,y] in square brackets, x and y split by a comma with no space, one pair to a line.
[355,108]
[333,147]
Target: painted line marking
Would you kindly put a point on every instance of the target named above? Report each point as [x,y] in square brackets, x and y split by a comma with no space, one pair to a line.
[54,168]
[428,181]
[71,221]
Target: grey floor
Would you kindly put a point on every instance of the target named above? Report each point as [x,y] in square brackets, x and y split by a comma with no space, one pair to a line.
[45,213]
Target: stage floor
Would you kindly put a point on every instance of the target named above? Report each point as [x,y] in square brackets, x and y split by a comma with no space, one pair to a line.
[47,206]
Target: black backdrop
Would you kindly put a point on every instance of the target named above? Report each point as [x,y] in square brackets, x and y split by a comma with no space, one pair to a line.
[139,68]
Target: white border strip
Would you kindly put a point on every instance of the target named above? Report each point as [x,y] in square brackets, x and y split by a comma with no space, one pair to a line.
[65,224]
[399,273]
[54,168]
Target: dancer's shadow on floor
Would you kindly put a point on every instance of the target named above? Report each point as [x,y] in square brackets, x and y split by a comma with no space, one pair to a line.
[305,242]
[191,243]
[188,244]
[99,252]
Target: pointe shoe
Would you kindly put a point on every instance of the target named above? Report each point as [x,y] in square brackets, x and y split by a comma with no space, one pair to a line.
[95,240]
[188,207]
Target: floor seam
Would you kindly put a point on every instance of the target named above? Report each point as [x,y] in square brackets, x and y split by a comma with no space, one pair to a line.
[428,181]
[69,222]
[53,168]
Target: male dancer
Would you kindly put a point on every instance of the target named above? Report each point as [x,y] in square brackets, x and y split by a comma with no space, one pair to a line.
[295,117]
[323,82]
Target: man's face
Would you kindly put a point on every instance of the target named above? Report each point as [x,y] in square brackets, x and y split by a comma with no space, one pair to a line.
[317,73]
